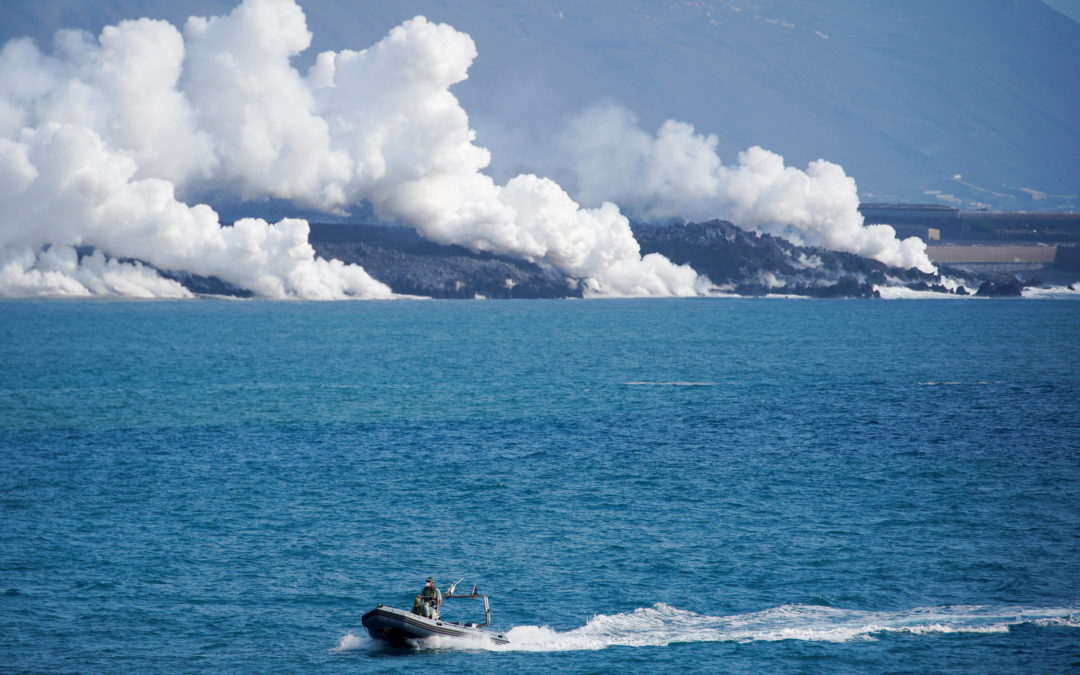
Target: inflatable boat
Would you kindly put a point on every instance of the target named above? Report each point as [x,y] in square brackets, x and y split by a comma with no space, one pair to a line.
[401,628]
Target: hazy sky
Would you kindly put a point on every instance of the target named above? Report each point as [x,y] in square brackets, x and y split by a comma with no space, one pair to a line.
[806,80]
[1070,8]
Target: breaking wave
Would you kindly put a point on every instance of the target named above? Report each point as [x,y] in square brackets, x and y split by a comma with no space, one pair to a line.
[1052,292]
[904,293]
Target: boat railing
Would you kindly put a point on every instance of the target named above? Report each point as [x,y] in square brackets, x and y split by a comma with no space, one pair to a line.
[487,608]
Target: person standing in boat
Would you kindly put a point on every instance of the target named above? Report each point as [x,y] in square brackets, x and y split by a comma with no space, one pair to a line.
[429,602]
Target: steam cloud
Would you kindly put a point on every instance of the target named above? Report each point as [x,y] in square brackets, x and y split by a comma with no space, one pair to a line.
[106,142]
[678,174]
[102,141]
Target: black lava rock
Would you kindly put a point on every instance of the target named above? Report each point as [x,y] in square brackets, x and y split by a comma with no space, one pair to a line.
[1003,289]
[735,260]
[412,265]
[205,285]
[748,263]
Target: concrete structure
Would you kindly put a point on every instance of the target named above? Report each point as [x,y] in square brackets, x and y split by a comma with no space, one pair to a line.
[948,255]
[922,220]
[995,259]
[920,231]
[929,222]
[1068,259]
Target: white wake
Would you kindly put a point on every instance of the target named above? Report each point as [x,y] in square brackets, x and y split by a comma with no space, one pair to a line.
[662,625]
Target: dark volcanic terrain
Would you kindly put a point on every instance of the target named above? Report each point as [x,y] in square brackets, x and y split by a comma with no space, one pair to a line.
[412,265]
[735,260]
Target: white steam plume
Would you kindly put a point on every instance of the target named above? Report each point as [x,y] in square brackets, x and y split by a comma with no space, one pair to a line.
[93,143]
[678,174]
[102,143]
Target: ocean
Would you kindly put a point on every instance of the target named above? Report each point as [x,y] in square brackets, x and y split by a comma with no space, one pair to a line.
[696,486]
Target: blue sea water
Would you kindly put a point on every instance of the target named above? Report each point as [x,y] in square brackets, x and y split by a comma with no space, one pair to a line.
[709,485]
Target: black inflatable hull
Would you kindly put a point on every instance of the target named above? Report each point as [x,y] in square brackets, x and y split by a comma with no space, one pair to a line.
[400,628]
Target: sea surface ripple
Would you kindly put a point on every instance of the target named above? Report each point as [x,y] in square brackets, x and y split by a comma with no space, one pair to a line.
[709,485]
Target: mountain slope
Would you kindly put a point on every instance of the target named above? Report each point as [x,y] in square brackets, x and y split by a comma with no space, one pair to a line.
[904,95]
[736,261]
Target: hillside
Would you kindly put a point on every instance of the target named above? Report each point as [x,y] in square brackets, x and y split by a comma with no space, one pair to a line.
[736,261]
[969,102]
